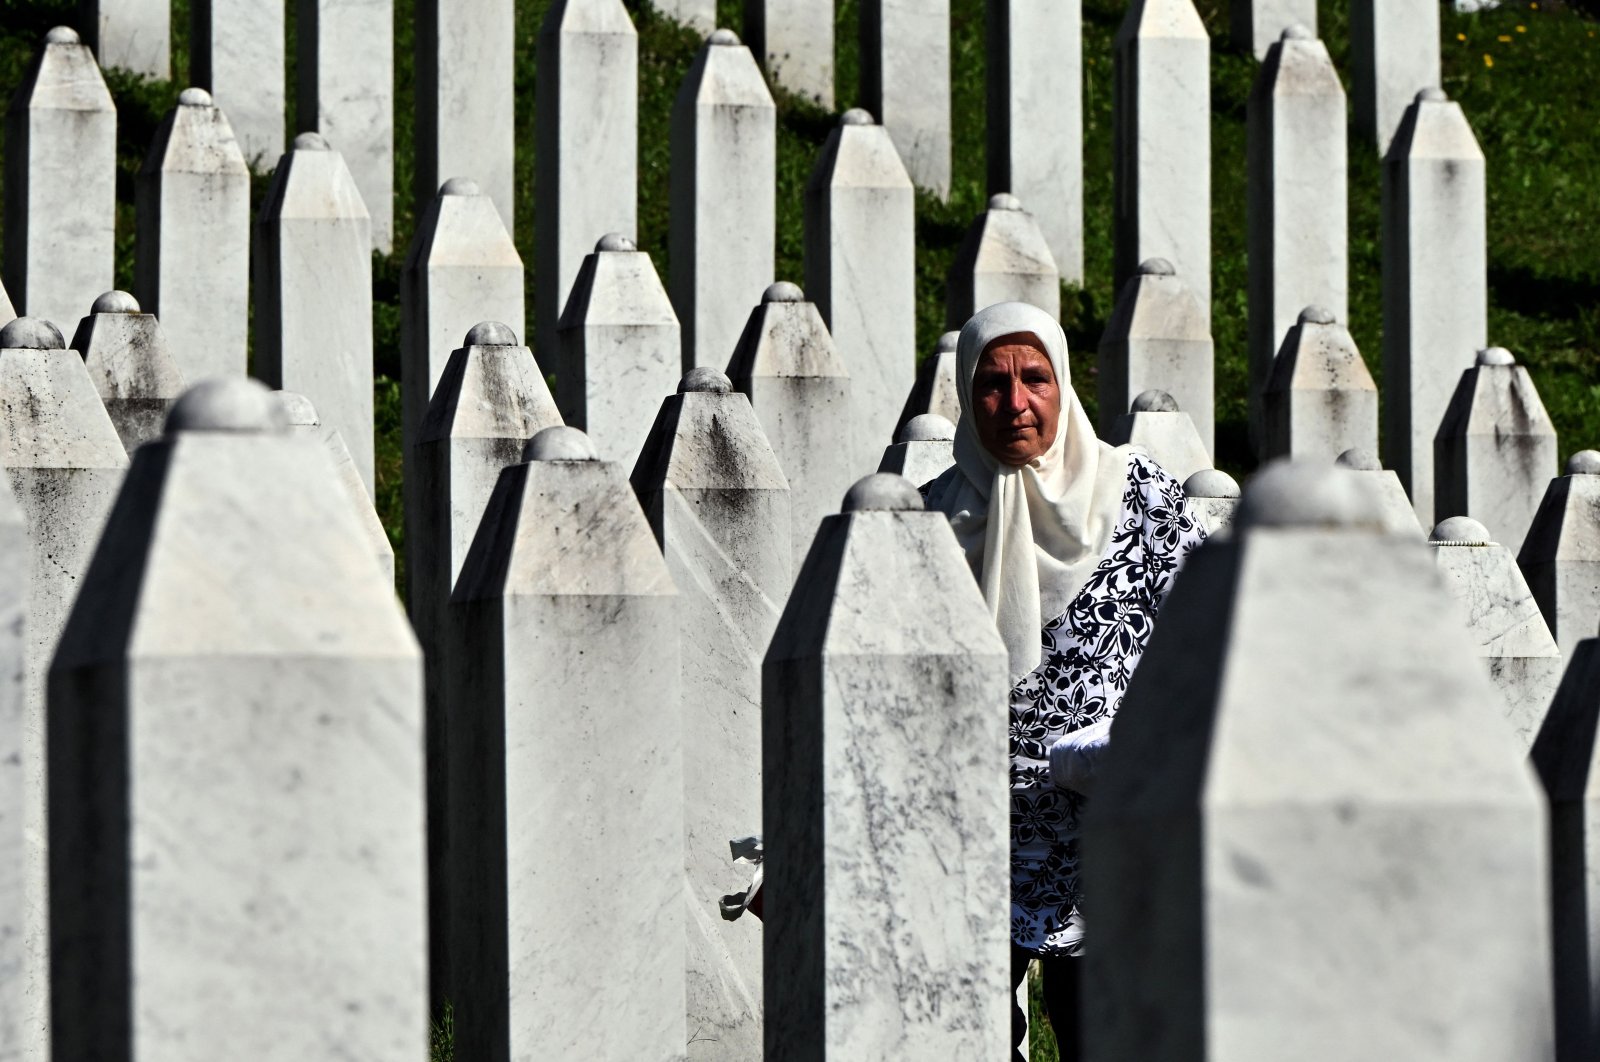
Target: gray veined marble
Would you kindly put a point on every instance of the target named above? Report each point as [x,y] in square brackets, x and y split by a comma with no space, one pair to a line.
[132,35]
[1034,87]
[1320,399]
[1159,336]
[793,41]
[1256,25]
[1495,450]
[236,764]
[1564,754]
[20,1027]
[1560,557]
[905,82]
[237,54]
[860,251]
[1004,259]
[345,70]
[887,870]
[65,464]
[490,401]
[1310,790]
[922,451]
[935,390]
[303,420]
[566,777]
[133,370]
[718,503]
[621,348]
[787,364]
[1383,487]
[724,198]
[1394,54]
[192,247]
[313,292]
[1503,618]
[587,163]
[1435,282]
[1161,150]
[465,72]
[1297,199]
[60,186]
[1157,426]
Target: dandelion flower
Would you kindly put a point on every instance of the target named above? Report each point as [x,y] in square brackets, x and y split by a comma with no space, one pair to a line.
[1488,61]
[1461,36]
[1534,5]
[1522,29]
[1503,39]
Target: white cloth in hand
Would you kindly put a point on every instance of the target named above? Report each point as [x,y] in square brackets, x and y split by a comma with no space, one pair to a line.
[1076,757]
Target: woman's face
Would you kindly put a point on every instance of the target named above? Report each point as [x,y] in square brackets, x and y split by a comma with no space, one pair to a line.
[1016,401]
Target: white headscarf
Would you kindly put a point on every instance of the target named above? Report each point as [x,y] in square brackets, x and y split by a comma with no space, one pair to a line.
[1034,534]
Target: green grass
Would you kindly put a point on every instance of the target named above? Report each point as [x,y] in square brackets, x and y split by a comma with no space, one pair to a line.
[1523,74]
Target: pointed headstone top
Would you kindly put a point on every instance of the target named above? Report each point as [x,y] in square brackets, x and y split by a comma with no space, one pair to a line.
[490,334]
[927,427]
[560,443]
[115,302]
[1584,463]
[705,380]
[1211,483]
[195,97]
[233,404]
[615,241]
[1306,494]
[1460,531]
[882,492]
[31,333]
[1496,356]
[1155,401]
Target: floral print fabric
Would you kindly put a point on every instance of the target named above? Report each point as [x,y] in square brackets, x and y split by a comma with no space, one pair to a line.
[1089,653]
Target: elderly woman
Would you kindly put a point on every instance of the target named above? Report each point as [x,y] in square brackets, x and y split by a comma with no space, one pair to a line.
[1075,544]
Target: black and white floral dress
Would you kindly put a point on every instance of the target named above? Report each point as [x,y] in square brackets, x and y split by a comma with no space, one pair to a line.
[1089,653]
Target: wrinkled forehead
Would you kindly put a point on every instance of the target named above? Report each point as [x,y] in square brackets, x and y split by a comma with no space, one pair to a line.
[1015,339]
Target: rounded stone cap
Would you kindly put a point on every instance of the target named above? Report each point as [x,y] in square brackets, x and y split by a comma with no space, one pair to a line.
[1155,401]
[1211,483]
[1432,95]
[460,186]
[233,403]
[490,334]
[1307,494]
[1316,315]
[947,343]
[723,38]
[1359,459]
[1157,267]
[1296,32]
[297,409]
[115,302]
[1004,201]
[62,35]
[1496,356]
[927,427]
[783,291]
[615,241]
[707,380]
[882,492]
[857,116]
[1584,463]
[194,97]
[1460,531]
[311,142]
[560,443]
[31,333]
